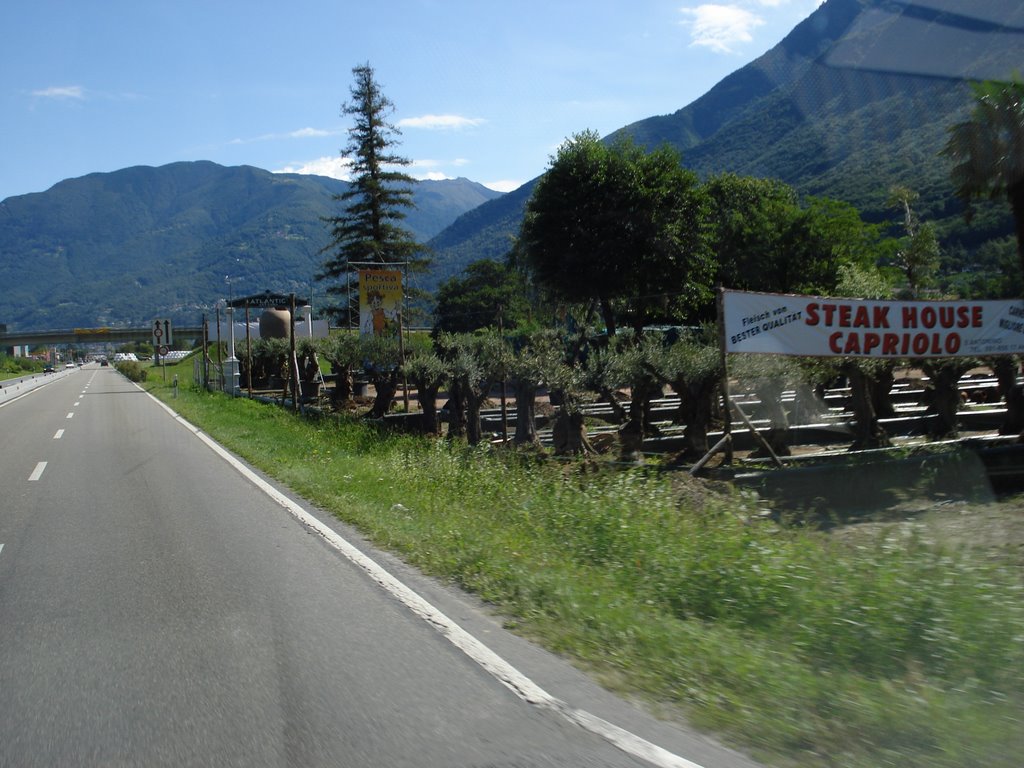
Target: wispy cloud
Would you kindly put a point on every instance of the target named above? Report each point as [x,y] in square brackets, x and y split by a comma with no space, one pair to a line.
[307,133]
[301,133]
[61,92]
[720,27]
[425,170]
[425,163]
[441,122]
[432,176]
[503,185]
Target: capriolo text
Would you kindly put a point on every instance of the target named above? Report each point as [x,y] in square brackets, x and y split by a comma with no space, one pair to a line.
[866,330]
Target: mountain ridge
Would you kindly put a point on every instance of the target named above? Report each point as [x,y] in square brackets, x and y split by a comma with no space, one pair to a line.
[123,246]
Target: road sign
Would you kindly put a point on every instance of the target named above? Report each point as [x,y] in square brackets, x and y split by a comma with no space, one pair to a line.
[162,333]
[164,350]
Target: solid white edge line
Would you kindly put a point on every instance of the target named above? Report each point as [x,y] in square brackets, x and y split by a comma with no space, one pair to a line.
[37,472]
[496,666]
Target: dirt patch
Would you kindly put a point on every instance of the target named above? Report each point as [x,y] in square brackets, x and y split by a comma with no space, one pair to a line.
[994,530]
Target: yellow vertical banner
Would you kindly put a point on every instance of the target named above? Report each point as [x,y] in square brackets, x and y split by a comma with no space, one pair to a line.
[380,302]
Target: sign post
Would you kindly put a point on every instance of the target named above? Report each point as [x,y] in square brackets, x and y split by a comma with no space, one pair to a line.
[162,337]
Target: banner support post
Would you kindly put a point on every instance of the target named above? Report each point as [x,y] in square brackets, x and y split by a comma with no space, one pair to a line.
[726,397]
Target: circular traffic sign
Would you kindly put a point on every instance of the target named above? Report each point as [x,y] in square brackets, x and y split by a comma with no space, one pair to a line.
[163,351]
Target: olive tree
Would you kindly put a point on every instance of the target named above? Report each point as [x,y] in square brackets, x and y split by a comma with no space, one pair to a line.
[692,367]
[381,356]
[342,351]
[428,373]
[537,355]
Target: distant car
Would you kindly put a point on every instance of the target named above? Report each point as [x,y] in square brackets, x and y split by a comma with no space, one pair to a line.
[48,369]
[104,363]
[69,365]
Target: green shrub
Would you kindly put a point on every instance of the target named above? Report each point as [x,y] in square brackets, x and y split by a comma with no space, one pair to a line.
[18,366]
[132,370]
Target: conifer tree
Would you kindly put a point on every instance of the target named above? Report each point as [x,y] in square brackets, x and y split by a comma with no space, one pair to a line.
[368,229]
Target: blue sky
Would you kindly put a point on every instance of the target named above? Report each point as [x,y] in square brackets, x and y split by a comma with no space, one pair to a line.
[485,89]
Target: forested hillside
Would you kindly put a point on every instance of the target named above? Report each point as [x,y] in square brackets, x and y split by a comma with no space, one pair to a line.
[122,247]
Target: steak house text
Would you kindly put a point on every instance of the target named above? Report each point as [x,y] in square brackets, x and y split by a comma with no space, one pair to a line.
[923,330]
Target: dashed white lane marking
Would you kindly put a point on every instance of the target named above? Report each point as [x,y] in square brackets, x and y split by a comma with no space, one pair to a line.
[77,404]
[59,434]
[71,414]
[37,472]
[521,685]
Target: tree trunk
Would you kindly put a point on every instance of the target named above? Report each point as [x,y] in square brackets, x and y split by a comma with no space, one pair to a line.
[631,442]
[429,423]
[569,434]
[632,433]
[881,392]
[809,405]
[644,394]
[944,375]
[456,412]
[386,387]
[474,431]
[620,414]
[608,315]
[343,386]
[868,433]
[1005,369]
[696,410]
[526,413]
[777,436]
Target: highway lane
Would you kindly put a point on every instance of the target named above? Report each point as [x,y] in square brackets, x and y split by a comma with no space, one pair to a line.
[156,608]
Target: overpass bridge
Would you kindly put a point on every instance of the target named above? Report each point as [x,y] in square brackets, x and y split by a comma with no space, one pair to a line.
[91,336]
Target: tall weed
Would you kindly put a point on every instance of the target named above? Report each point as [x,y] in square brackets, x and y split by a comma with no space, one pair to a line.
[819,652]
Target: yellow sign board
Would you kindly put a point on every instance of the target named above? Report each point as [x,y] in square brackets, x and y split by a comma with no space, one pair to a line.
[380,302]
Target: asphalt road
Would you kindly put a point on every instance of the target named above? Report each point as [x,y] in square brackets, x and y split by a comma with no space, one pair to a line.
[158,607]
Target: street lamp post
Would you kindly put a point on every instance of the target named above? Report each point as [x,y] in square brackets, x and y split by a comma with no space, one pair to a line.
[308,312]
[231,364]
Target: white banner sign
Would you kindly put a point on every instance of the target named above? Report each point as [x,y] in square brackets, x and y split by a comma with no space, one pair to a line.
[813,326]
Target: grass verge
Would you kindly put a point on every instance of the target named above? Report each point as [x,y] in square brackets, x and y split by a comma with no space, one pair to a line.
[15,367]
[799,647]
